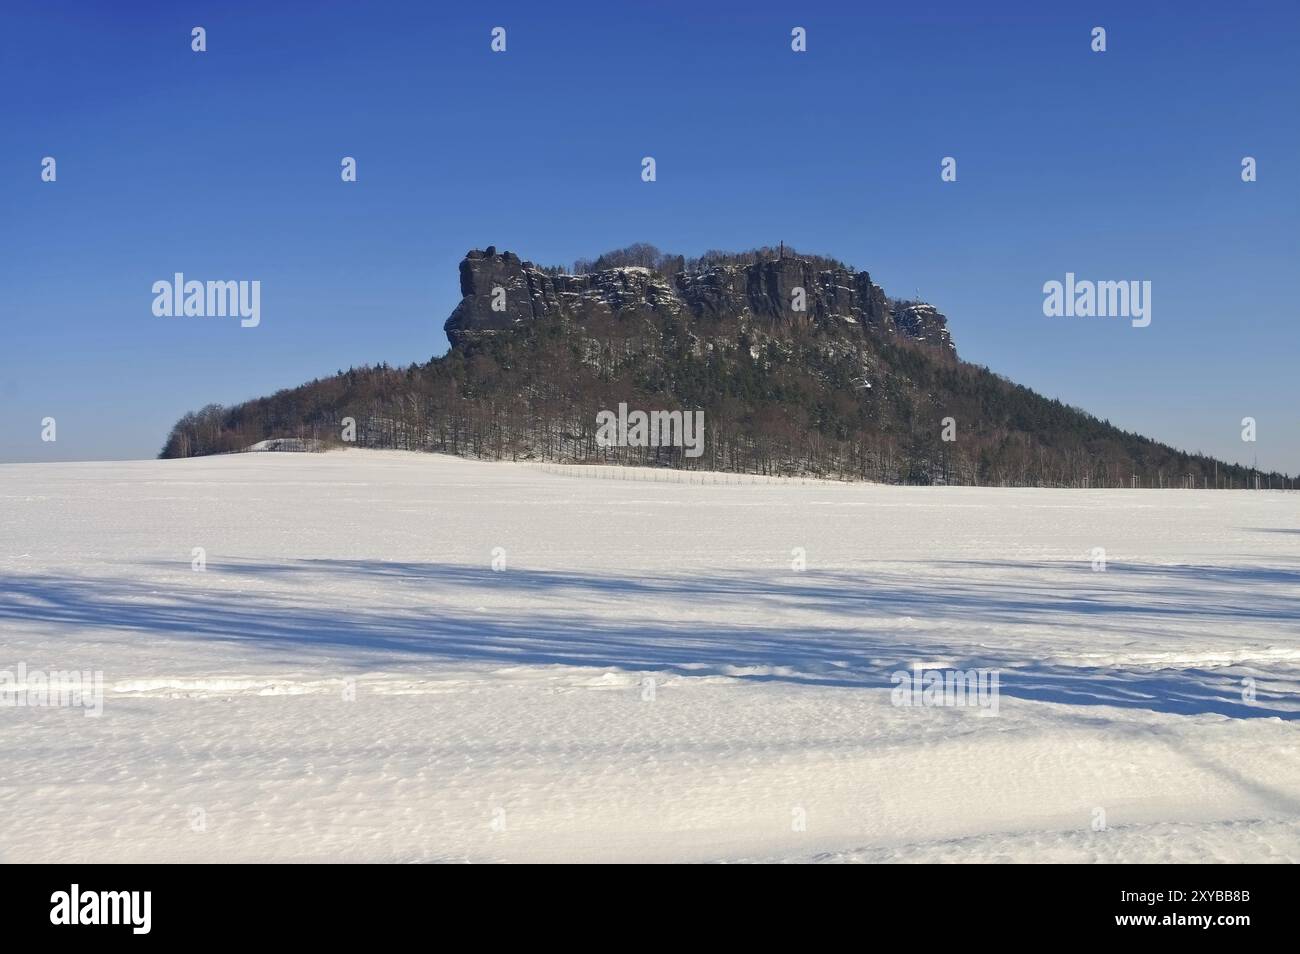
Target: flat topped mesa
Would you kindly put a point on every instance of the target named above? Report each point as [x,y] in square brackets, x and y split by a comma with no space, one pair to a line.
[500,291]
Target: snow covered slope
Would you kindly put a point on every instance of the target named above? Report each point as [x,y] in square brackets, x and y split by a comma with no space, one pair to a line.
[645,676]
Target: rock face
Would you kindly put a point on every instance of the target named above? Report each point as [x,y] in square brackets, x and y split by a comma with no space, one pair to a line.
[500,291]
[923,323]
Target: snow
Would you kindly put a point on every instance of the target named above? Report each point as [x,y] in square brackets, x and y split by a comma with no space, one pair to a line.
[647,678]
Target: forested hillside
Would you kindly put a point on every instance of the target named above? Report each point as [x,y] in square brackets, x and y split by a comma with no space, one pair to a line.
[860,386]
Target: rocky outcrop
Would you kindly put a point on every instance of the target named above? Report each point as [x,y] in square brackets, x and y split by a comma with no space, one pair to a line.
[923,323]
[723,336]
[500,291]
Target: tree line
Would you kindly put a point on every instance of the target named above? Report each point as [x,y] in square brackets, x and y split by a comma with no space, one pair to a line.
[805,403]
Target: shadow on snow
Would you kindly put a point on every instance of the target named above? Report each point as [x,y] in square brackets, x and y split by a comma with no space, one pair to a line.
[575,620]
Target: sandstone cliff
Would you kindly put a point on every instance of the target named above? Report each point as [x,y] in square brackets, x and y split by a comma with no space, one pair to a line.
[500,291]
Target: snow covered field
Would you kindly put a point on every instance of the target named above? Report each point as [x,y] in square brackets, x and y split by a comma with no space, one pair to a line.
[646,678]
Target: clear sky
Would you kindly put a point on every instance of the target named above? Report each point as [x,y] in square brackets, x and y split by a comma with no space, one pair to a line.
[225,165]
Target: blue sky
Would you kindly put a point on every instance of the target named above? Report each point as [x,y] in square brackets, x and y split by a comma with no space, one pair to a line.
[225,165]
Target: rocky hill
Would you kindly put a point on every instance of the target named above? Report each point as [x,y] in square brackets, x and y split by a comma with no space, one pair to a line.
[772,296]
[799,364]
